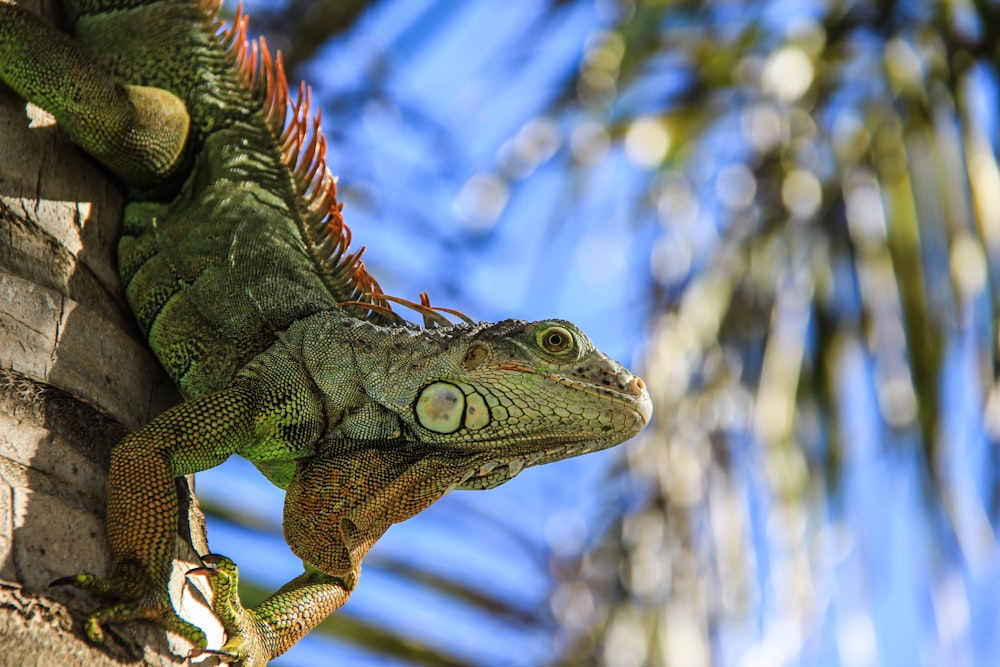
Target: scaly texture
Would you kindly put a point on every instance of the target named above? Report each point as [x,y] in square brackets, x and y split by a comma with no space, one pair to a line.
[235,259]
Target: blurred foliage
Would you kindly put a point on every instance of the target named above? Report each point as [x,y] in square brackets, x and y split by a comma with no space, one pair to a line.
[821,183]
[846,157]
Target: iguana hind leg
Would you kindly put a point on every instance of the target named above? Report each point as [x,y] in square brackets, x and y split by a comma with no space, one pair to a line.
[137,132]
[143,505]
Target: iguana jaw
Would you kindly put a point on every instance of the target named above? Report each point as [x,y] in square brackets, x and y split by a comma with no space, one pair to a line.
[488,470]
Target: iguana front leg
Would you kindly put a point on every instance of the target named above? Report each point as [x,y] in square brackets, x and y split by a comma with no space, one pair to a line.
[339,503]
[138,132]
[257,635]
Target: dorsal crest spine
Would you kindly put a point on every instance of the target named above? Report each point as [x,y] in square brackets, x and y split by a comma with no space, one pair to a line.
[303,150]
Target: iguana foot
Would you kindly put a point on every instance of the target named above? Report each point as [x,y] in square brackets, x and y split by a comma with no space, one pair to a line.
[140,600]
[248,635]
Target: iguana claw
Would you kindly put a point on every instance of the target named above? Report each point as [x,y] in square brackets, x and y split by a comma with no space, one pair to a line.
[247,644]
[139,601]
[198,652]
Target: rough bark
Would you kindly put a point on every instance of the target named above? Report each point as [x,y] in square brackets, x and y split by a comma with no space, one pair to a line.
[75,376]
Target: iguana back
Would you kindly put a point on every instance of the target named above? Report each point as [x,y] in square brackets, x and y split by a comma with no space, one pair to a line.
[246,237]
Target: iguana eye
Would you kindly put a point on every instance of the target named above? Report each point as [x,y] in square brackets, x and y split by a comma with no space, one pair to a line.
[555,340]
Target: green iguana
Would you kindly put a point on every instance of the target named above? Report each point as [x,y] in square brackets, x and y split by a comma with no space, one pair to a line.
[235,261]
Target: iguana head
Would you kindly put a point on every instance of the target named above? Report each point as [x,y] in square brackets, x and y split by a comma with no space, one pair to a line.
[509,395]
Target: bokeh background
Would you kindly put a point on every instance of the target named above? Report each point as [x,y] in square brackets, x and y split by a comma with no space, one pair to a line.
[785,215]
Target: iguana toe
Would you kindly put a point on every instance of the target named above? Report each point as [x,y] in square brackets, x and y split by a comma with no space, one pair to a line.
[247,643]
[140,599]
[134,610]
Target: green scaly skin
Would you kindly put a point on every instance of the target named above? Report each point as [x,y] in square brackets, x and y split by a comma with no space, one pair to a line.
[364,420]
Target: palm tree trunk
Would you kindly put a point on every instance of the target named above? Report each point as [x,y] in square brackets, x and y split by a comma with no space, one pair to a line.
[75,376]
